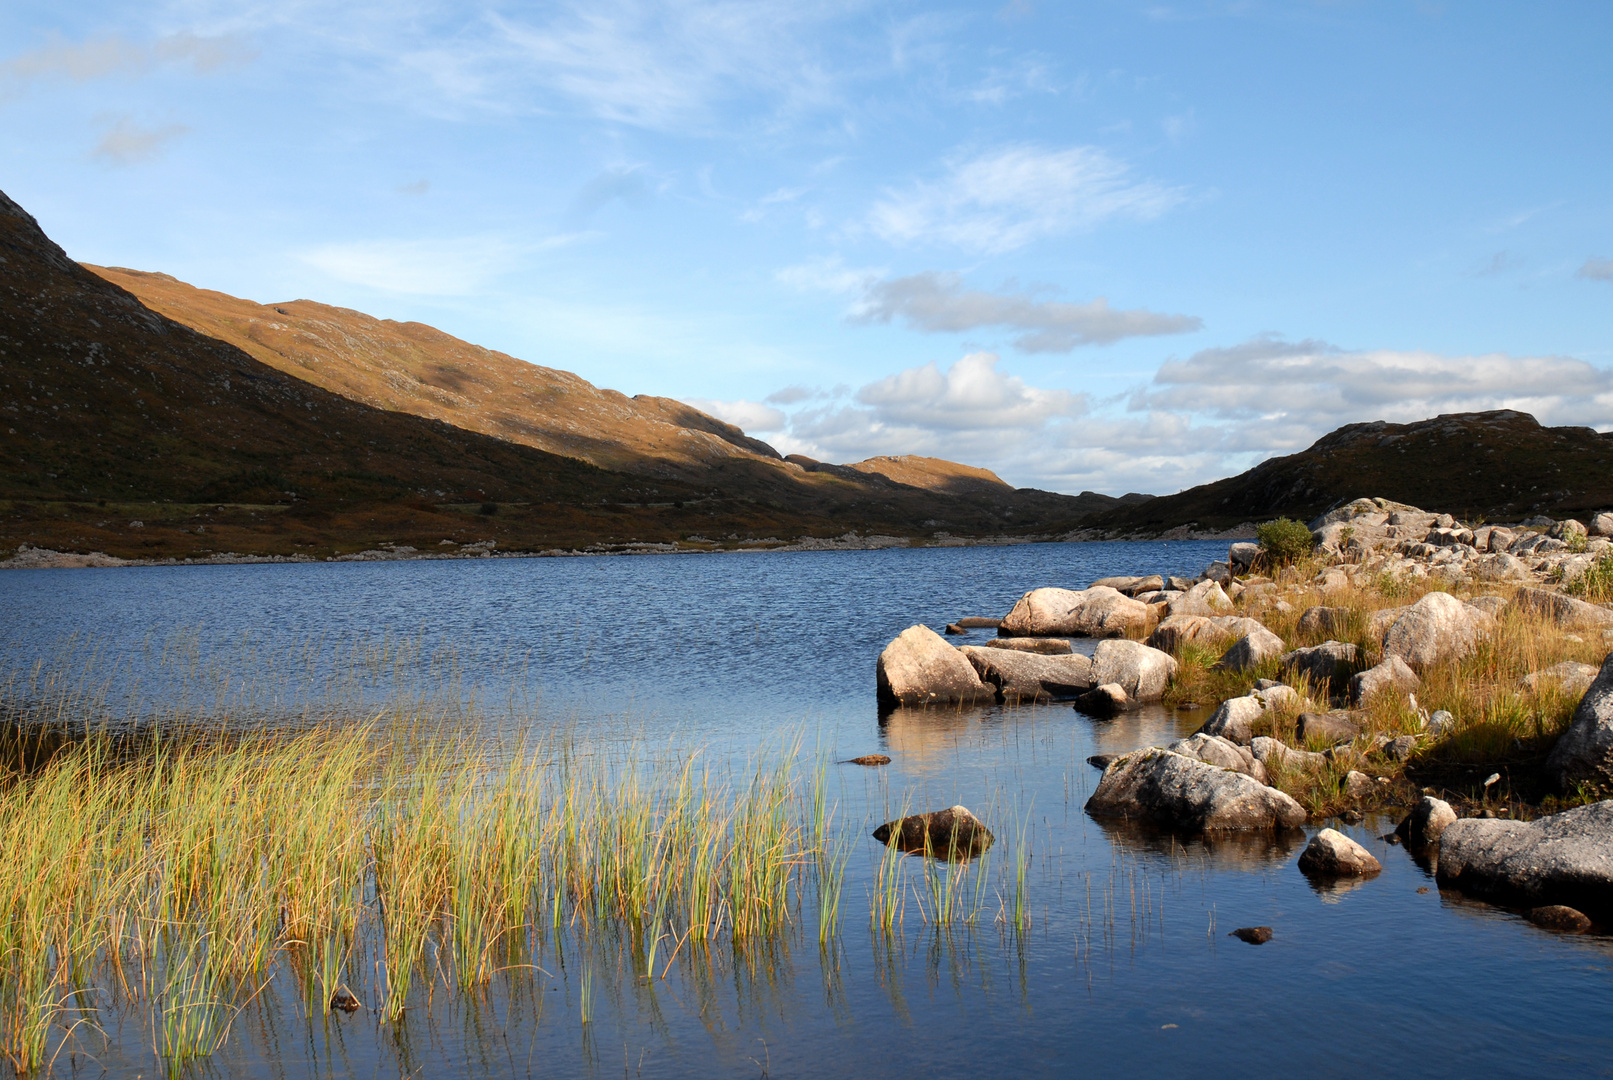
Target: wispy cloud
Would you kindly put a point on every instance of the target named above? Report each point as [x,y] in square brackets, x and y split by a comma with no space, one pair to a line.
[622,183]
[939,303]
[1006,198]
[127,143]
[752,417]
[455,266]
[98,58]
[1597,270]
[829,275]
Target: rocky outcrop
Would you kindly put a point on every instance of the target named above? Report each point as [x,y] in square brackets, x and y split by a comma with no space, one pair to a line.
[1438,627]
[1427,822]
[1145,673]
[1096,612]
[1022,677]
[1584,754]
[948,834]
[920,668]
[1391,675]
[1321,664]
[1184,793]
[1566,858]
[1214,750]
[1331,854]
[1565,611]
[1234,719]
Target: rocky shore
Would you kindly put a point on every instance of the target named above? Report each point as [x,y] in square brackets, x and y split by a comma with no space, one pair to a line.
[1457,674]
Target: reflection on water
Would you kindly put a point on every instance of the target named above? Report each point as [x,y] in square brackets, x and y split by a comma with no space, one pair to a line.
[1069,941]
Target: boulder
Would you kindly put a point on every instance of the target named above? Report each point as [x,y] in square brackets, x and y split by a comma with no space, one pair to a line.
[1234,719]
[870,760]
[1584,754]
[1358,785]
[1324,621]
[1559,918]
[1254,935]
[1391,674]
[1214,750]
[1242,556]
[1565,858]
[1104,700]
[1379,622]
[920,668]
[954,628]
[1218,572]
[1205,598]
[1438,627]
[1332,854]
[1176,630]
[1400,748]
[1273,753]
[1046,646]
[1021,676]
[1143,672]
[1443,722]
[1276,696]
[1602,524]
[1330,728]
[1181,792]
[1426,822]
[1131,586]
[1566,529]
[1096,612]
[1251,650]
[1498,539]
[950,833]
[1490,605]
[1571,677]
[1320,663]
[1565,611]
[1178,584]
[1500,566]
[979,622]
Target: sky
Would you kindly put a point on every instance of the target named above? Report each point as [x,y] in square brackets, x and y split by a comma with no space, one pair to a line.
[1098,246]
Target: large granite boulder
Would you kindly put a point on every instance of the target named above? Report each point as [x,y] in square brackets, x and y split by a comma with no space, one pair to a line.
[1132,586]
[1145,673]
[1023,676]
[1332,854]
[920,668]
[1214,750]
[1427,822]
[1565,611]
[1566,858]
[1275,754]
[1096,612]
[1243,556]
[1438,627]
[1584,754]
[951,833]
[1174,631]
[1234,719]
[1379,622]
[1391,675]
[1181,792]
[1499,566]
[1320,663]
[1205,598]
[1251,650]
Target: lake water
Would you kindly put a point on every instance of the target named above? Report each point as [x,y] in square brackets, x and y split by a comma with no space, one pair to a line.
[1125,967]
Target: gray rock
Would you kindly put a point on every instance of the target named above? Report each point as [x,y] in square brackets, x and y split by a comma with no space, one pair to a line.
[1566,529]
[1242,556]
[1426,822]
[920,668]
[1020,676]
[1500,566]
[954,628]
[1218,572]
[1438,627]
[1358,785]
[1332,854]
[1584,754]
[1234,719]
[1275,696]
[1379,622]
[1178,584]
[979,622]
[1214,750]
[1565,611]
[1401,748]
[1251,650]
[950,833]
[1176,630]
[1145,673]
[1320,663]
[1573,678]
[1443,722]
[1104,700]
[1184,793]
[1273,753]
[1095,612]
[1324,621]
[1327,727]
[1046,646]
[1566,858]
[1391,674]
[1205,598]
[1499,539]
[1131,586]
[1602,524]
[1490,605]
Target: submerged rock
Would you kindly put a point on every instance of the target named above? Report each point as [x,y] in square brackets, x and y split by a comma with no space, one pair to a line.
[978,622]
[872,760]
[1143,672]
[1332,854]
[1103,700]
[1023,676]
[920,668]
[1180,792]
[1254,935]
[1559,918]
[1566,858]
[950,833]
[1096,612]
[1584,754]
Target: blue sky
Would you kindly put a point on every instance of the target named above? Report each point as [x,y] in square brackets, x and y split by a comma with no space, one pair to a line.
[1116,246]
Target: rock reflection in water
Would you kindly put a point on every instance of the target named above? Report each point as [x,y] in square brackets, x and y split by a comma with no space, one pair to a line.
[1254,849]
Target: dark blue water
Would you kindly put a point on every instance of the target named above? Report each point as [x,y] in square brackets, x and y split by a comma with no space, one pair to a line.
[1126,966]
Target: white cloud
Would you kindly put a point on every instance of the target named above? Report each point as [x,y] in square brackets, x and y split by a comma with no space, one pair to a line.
[749,416]
[451,267]
[101,57]
[938,303]
[1597,270]
[828,276]
[1004,199]
[127,143]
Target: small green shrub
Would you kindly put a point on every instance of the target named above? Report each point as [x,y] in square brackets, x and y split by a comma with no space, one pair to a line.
[1596,583]
[1576,541]
[1284,541]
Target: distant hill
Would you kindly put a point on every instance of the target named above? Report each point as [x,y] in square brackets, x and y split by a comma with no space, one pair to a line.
[126,430]
[1500,465]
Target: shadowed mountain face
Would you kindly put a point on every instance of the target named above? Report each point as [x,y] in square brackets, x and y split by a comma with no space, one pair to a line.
[128,431]
[1500,465]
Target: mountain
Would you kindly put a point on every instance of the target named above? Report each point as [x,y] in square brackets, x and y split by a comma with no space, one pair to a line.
[1499,465]
[127,430]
